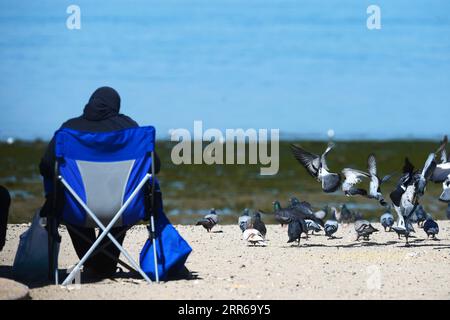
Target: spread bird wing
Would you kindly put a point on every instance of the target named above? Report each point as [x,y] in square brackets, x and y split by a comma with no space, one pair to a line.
[372,165]
[352,177]
[309,160]
[408,167]
[324,155]
[429,166]
[441,149]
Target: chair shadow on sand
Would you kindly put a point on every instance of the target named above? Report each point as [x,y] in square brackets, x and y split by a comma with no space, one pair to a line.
[184,274]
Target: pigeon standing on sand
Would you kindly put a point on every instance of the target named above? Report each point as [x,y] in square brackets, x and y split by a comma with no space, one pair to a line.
[430,227]
[304,210]
[420,215]
[258,224]
[244,220]
[331,225]
[209,221]
[295,229]
[364,229]
[347,215]
[402,228]
[387,221]
[286,215]
[312,226]
[254,237]
[317,167]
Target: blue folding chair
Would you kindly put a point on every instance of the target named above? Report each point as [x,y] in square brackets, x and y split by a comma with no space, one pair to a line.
[103,178]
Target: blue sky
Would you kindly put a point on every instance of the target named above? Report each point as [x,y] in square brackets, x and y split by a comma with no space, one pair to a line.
[300,66]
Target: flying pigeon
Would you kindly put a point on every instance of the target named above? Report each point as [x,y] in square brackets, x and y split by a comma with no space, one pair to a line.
[430,227]
[209,221]
[317,167]
[244,220]
[254,237]
[312,226]
[258,224]
[353,177]
[364,229]
[426,173]
[442,170]
[445,195]
[387,220]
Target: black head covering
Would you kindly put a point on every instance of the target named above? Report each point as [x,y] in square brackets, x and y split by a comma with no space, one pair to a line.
[103,104]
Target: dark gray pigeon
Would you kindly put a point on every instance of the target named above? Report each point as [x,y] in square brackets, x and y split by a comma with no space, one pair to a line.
[295,230]
[317,167]
[209,221]
[245,220]
[286,215]
[430,227]
[448,211]
[303,210]
[258,224]
[331,226]
[364,229]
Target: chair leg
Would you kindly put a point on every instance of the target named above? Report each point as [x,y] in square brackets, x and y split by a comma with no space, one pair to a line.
[102,249]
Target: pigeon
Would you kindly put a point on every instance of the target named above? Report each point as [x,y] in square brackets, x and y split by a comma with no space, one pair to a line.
[364,229]
[405,179]
[331,226]
[442,170]
[445,195]
[295,229]
[317,167]
[285,215]
[402,228]
[258,224]
[353,177]
[419,215]
[321,214]
[430,227]
[209,221]
[244,220]
[303,210]
[425,174]
[254,237]
[387,220]
[312,226]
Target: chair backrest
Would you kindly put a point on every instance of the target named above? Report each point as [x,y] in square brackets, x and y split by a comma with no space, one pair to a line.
[104,169]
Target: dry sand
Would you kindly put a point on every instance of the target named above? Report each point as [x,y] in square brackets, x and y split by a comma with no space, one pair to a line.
[224,267]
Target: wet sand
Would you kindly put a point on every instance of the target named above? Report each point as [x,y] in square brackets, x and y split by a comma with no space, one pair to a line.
[223,266]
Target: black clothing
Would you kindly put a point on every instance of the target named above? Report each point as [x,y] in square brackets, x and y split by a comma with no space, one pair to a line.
[101,114]
[5,202]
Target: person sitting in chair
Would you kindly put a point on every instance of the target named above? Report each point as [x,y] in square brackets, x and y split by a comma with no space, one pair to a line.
[101,114]
[5,202]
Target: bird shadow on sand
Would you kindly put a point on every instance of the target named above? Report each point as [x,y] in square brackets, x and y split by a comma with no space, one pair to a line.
[217,231]
[128,276]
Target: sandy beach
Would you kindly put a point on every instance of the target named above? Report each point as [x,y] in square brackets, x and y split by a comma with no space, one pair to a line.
[224,267]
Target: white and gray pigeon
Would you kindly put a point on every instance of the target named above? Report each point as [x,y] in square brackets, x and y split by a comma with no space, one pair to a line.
[442,170]
[353,177]
[244,220]
[402,228]
[312,226]
[445,195]
[364,229]
[387,221]
[254,237]
[317,167]
[209,221]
